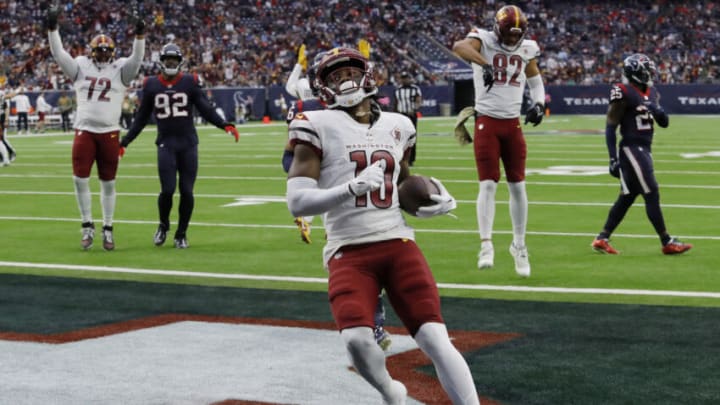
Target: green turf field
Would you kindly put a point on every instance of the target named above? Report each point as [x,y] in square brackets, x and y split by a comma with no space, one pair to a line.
[570,351]
[241,225]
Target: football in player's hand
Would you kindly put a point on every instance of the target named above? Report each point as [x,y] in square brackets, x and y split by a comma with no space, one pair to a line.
[414,192]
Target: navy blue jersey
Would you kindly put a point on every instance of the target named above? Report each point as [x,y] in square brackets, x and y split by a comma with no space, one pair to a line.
[636,126]
[172,104]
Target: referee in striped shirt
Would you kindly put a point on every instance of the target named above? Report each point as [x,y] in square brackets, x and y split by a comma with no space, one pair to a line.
[408,99]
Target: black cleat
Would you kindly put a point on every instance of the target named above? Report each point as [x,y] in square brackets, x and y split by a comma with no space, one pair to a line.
[181,243]
[160,235]
[108,241]
[88,234]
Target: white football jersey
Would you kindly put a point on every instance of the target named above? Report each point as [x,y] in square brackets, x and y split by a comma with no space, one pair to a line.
[299,87]
[504,100]
[346,147]
[99,93]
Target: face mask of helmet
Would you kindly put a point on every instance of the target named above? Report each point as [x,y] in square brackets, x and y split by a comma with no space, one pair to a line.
[170,65]
[344,80]
[639,69]
[102,51]
[171,60]
[510,27]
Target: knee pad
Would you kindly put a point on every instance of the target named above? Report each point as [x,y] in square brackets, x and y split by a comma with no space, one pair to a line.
[358,339]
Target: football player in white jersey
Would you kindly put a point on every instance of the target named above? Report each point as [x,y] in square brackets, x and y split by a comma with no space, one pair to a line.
[100,83]
[348,162]
[503,61]
[302,90]
[7,153]
[299,87]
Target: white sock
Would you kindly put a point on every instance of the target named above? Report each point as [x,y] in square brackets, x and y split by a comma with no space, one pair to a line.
[453,371]
[518,211]
[486,208]
[107,201]
[368,358]
[84,200]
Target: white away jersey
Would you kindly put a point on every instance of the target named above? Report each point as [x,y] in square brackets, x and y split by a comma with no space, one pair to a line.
[346,147]
[504,100]
[299,87]
[100,94]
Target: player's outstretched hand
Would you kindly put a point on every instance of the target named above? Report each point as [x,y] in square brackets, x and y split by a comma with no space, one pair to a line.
[138,22]
[369,179]
[444,202]
[51,19]
[121,152]
[302,57]
[535,114]
[364,48]
[230,129]
[614,168]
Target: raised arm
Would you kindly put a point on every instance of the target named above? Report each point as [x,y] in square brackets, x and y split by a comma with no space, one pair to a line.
[66,62]
[132,66]
[291,85]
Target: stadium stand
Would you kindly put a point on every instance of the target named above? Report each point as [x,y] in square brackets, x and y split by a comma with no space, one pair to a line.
[240,43]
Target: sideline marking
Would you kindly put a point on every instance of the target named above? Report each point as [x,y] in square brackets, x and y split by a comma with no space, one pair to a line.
[317,280]
[241,200]
[417,230]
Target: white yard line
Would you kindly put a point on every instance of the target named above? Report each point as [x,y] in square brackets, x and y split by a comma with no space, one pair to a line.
[417,229]
[281,199]
[315,280]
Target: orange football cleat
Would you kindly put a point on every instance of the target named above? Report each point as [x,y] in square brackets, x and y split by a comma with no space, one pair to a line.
[675,247]
[603,246]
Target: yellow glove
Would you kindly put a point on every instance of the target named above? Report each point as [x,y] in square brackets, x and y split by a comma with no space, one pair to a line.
[302,57]
[364,48]
[461,134]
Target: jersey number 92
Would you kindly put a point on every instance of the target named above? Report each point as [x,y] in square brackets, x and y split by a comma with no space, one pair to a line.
[171,105]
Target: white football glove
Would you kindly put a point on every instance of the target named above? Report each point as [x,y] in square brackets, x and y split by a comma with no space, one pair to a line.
[445,202]
[369,179]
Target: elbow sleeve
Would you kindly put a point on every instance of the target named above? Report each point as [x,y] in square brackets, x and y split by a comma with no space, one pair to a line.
[537,89]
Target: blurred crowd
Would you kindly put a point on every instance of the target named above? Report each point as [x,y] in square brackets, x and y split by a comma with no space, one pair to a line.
[254,43]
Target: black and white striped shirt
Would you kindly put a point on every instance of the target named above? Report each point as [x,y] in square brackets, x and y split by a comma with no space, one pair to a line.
[406,97]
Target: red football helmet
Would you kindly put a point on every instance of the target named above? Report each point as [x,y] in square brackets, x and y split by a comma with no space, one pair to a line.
[102,50]
[510,27]
[344,78]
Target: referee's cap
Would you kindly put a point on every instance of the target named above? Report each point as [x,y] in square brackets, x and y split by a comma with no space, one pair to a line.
[404,74]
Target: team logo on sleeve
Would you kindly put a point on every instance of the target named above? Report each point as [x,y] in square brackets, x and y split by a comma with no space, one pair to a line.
[396,134]
[301,116]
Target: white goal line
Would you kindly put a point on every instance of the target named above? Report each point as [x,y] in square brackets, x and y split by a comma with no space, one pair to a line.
[317,280]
